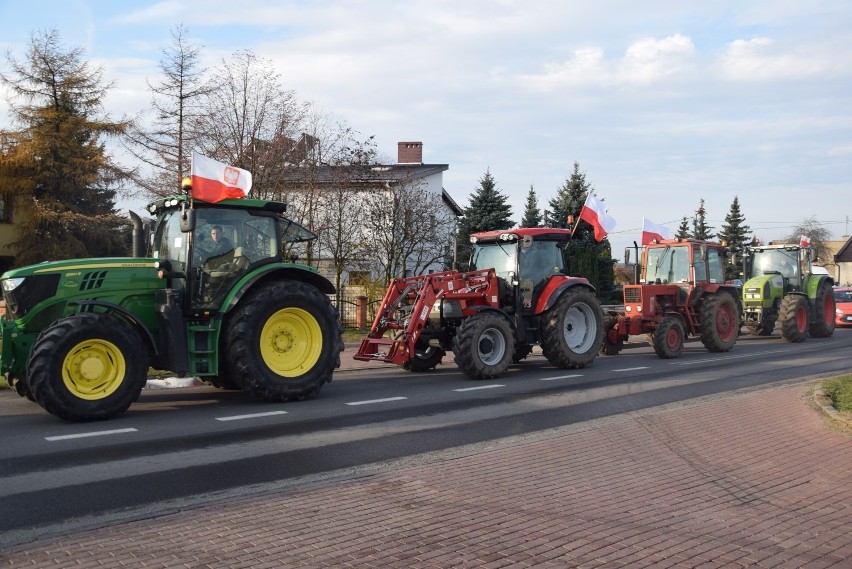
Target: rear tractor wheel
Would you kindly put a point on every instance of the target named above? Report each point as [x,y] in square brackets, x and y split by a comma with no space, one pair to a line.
[572,330]
[720,322]
[283,341]
[824,311]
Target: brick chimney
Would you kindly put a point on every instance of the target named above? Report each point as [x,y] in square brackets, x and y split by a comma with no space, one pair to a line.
[409,153]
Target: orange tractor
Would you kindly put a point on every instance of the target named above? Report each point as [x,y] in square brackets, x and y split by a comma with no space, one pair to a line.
[515,295]
[681,290]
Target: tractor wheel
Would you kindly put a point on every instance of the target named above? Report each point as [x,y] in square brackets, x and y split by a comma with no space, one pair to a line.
[720,322]
[283,341]
[794,318]
[669,337]
[484,345]
[424,360]
[824,312]
[572,330]
[21,387]
[610,346]
[87,367]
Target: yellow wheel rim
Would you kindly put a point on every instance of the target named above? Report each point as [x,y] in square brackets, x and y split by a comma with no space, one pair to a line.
[291,342]
[93,369]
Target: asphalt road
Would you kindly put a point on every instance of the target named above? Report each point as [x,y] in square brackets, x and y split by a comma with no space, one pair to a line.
[180,446]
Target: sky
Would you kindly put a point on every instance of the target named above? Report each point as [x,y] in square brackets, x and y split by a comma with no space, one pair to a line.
[661,102]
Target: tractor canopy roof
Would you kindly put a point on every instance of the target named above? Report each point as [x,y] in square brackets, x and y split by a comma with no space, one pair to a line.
[518,233]
[175,201]
[683,243]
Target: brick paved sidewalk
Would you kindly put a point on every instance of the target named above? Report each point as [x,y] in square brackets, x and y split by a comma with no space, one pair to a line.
[751,480]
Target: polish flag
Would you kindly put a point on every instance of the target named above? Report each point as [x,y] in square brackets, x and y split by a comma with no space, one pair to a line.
[594,213]
[214,181]
[651,231]
[805,241]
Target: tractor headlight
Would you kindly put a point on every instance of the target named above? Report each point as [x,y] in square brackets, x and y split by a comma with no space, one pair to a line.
[11,284]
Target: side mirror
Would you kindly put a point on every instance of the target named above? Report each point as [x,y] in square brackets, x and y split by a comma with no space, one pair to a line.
[703,251]
[187,219]
[527,242]
[627,256]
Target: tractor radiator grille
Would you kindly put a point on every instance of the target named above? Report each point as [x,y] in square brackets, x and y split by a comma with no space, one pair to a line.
[632,295]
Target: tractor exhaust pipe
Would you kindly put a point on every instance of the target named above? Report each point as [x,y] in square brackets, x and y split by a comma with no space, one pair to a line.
[138,236]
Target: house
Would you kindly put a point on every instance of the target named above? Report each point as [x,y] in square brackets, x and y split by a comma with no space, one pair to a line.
[840,264]
[417,182]
[10,217]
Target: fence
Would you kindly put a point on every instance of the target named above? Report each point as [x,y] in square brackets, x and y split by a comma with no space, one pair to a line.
[348,306]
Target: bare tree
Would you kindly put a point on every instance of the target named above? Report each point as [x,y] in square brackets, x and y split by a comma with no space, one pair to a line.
[818,235]
[409,227]
[164,146]
[252,122]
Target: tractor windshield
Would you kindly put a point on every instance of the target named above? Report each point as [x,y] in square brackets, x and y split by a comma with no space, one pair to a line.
[667,265]
[774,261]
[495,255]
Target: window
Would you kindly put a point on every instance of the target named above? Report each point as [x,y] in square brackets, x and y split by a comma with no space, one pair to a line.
[5,208]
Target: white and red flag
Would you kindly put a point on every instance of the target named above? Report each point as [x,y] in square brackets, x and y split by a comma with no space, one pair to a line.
[805,241]
[214,181]
[651,231]
[595,213]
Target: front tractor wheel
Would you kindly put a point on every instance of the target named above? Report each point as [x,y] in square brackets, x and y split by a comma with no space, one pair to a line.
[87,367]
[669,337]
[283,341]
[824,311]
[720,322]
[572,330]
[484,345]
[793,317]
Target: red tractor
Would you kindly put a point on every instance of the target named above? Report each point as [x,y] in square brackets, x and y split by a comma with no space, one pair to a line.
[515,295]
[681,290]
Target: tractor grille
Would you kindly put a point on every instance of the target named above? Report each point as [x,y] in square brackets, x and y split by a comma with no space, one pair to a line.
[632,295]
[33,290]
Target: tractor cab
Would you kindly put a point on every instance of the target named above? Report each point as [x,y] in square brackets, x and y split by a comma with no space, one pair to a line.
[789,262]
[525,258]
[207,249]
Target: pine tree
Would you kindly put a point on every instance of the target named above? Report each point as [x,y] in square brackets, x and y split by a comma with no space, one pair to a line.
[569,201]
[532,213]
[700,229]
[488,210]
[56,161]
[683,229]
[735,234]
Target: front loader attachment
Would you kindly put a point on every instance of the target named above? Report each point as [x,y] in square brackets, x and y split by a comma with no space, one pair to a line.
[406,307]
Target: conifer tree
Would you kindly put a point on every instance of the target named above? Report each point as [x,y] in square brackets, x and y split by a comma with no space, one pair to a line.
[569,200]
[487,210]
[55,164]
[683,229]
[735,234]
[532,213]
[700,229]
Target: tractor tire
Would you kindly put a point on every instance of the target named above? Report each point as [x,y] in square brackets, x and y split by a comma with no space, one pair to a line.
[669,337]
[793,317]
[611,347]
[824,311]
[572,330]
[484,345]
[283,341]
[87,367]
[21,387]
[424,360]
[720,322]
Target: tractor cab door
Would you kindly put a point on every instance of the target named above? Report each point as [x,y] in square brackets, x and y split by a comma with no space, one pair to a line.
[226,244]
[539,260]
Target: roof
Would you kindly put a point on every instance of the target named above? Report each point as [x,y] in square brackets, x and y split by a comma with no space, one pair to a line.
[365,174]
[844,254]
[545,233]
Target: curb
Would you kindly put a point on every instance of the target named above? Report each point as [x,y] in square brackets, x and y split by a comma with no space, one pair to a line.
[823,403]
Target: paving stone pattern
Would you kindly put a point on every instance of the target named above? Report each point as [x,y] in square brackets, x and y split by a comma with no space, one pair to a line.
[755,480]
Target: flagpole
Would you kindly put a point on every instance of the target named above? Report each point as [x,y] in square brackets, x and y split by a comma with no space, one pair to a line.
[578,216]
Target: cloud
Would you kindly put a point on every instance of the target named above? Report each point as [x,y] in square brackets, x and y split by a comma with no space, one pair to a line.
[645,62]
[758,59]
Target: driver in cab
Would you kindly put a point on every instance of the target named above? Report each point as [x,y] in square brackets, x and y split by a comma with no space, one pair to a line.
[221,244]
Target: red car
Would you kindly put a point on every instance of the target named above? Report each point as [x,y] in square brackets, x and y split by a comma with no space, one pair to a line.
[843,300]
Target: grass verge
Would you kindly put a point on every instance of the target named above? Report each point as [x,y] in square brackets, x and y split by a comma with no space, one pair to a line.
[839,391]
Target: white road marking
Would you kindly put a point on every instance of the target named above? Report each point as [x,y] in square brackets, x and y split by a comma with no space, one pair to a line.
[371,401]
[91,434]
[478,387]
[252,416]
[631,368]
[560,377]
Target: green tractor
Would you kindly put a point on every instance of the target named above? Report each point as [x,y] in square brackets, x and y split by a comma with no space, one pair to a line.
[781,288]
[220,297]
